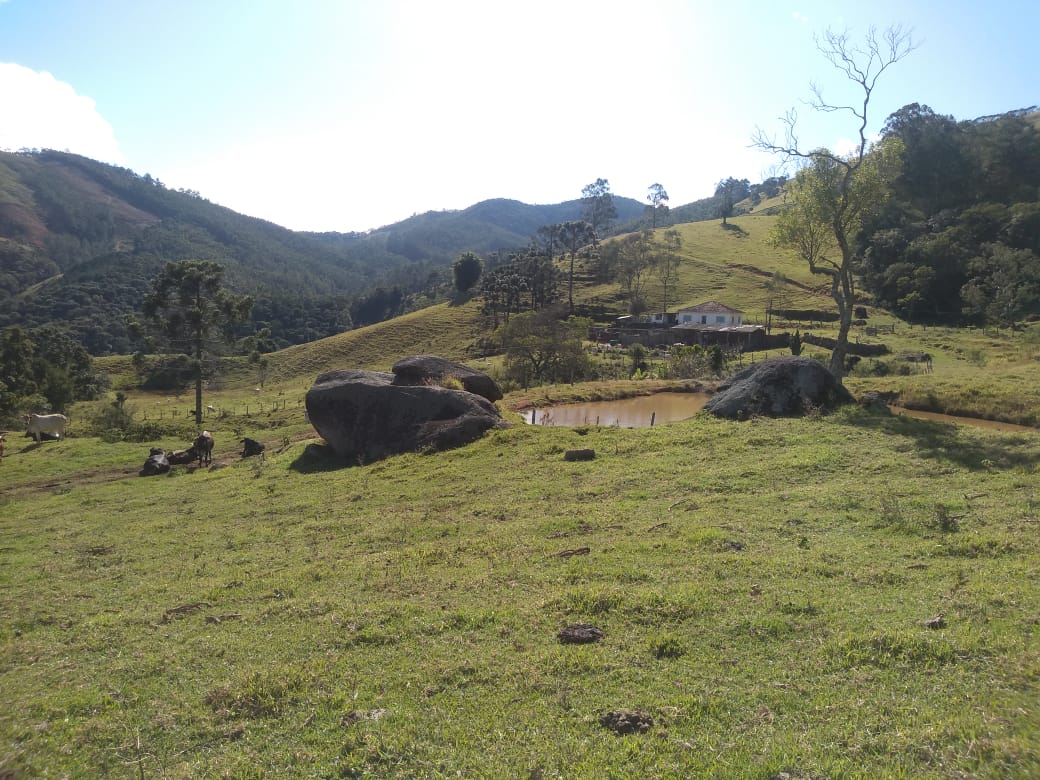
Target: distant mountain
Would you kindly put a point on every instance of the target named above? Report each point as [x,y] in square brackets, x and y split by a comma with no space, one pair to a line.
[440,236]
[80,241]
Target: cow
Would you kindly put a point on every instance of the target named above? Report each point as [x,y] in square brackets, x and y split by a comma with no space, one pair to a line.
[157,463]
[1,447]
[251,447]
[203,446]
[38,424]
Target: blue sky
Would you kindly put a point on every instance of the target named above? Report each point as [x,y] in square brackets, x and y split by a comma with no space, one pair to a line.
[350,114]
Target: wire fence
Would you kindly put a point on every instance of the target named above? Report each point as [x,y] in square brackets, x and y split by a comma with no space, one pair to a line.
[240,410]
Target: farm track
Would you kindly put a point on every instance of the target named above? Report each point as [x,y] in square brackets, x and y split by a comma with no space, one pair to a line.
[767,275]
[106,476]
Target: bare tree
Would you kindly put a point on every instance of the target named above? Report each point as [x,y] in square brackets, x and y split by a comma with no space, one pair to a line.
[666,263]
[831,199]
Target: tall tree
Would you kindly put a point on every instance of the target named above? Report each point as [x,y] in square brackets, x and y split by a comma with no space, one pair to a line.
[574,236]
[190,308]
[466,271]
[666,262]
[632,257]
[835,193]
[549,235]
[827,206]
[728,193]
[598,206]
[658,198]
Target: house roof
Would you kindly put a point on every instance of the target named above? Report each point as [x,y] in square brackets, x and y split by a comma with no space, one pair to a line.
[696,326]
[711,307]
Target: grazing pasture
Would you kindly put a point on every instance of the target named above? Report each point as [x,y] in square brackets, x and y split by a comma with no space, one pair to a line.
[855,595]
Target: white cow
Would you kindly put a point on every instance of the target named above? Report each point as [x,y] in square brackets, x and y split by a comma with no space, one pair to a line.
[37,424]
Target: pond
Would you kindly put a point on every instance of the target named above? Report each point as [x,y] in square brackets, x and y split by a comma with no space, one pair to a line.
[645,411]
[640,411]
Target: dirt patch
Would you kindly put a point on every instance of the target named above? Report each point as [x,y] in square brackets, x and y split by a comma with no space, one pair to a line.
[580,634]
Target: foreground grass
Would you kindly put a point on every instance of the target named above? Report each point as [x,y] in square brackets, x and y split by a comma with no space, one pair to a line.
[763,588]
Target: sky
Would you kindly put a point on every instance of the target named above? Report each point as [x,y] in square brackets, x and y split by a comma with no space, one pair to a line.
[340,115]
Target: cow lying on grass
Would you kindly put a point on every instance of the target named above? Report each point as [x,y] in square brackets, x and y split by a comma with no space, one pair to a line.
[159,461]
[36,425]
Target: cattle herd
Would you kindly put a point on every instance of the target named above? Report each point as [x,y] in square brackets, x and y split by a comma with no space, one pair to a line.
[53,426]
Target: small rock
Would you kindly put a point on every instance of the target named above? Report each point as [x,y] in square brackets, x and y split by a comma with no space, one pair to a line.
[874,401]
[627,721]
[583,454]
[732,544]
[936,623]
[580,634]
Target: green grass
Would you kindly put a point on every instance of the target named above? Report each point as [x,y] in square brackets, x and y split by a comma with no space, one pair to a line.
[732,266]
[763,588]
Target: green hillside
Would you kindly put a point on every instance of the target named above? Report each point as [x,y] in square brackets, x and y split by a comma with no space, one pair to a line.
[838,596]
[80,241]
[732,266]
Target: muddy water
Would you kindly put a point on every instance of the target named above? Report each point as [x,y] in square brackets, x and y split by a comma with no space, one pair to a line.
[975,422]
[638,412]
[646,410]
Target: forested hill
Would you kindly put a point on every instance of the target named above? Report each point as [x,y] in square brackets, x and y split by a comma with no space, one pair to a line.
[80,241]
[488,226]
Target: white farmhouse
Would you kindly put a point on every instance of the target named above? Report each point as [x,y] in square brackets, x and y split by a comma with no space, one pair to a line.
[711,313]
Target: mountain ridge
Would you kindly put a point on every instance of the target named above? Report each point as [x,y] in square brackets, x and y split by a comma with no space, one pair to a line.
[80,240]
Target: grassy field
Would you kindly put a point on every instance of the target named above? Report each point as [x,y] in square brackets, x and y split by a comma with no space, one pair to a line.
[732,266]
[853,595]
[764,590]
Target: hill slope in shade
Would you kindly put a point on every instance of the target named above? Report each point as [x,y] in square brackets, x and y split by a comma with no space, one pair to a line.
[80,240]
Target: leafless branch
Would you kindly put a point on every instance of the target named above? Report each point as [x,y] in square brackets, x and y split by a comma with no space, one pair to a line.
[862,65]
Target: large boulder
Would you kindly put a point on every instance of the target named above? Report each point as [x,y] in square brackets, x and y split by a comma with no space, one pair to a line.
[432,370]
[778,387]
[365,415]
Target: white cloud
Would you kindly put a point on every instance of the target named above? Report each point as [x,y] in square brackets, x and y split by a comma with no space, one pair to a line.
[41,112]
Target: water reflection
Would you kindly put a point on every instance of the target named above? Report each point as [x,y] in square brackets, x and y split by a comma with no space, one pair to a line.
[641,411]
[645,411]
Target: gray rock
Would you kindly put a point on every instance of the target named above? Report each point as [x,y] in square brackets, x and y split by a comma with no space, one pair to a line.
[874,401]
[364,416]
[778,387]
[582,454]
[431,369]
